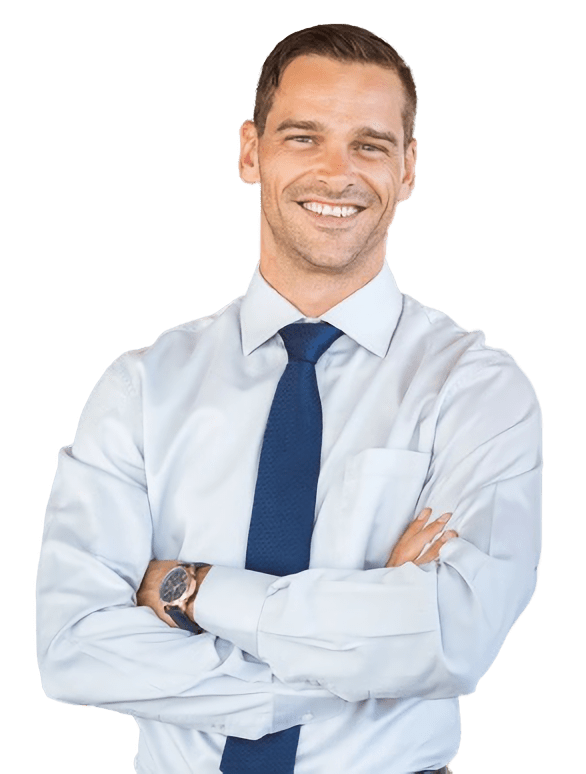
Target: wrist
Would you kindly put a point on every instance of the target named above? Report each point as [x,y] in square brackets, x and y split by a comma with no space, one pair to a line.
[200,575]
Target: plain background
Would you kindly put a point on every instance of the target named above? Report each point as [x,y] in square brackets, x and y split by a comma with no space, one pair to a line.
[123,215]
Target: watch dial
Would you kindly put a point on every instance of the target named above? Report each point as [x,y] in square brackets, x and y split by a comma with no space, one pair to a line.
[174,584]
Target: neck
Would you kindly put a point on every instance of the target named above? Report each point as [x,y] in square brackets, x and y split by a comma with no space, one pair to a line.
[313,289]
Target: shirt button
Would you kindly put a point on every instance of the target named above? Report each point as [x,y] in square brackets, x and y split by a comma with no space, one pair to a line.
[307,716]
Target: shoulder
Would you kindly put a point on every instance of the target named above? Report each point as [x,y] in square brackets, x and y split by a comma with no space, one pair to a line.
[176,346]
[460,359]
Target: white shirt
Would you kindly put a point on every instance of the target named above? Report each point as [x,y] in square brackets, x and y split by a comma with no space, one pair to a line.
[368,660]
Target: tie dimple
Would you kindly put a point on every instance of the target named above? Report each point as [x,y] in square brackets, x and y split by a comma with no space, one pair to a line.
[308,341]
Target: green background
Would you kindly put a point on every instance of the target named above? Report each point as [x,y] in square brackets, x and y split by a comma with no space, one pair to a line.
[124,216]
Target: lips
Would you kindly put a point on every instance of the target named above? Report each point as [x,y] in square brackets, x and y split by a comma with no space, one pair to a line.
[332,212]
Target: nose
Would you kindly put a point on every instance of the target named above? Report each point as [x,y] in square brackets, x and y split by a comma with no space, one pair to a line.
[335,163]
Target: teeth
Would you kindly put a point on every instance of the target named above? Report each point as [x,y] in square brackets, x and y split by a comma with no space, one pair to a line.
[326,209]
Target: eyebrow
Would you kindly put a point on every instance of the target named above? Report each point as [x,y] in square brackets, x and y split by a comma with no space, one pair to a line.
[314,126]
[305,126]
[368,131]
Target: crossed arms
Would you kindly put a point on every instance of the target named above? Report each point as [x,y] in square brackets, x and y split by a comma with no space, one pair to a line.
[411,547]
[274,644]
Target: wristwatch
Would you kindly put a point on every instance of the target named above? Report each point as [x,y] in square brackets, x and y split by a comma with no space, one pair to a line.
[177,590]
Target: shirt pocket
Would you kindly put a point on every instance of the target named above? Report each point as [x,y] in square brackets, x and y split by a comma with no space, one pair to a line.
[380,493]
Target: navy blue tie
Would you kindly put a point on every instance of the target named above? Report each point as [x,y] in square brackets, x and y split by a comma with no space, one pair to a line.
[283,511]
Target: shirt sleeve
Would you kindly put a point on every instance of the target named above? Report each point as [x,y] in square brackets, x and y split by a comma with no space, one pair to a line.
[95,646]
[427,631]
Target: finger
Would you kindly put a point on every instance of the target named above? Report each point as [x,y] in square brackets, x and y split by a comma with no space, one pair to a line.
[433,551]
[400,552]
[416,542]
[432,529]
[417,523]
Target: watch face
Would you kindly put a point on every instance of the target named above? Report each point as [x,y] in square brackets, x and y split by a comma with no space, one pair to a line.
[174,584]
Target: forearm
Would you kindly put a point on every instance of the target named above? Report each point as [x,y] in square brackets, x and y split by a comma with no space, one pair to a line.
[127,660]
[428,632]
[410,631]
[95,646]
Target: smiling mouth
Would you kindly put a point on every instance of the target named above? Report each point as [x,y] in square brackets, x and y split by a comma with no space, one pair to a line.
[330,210]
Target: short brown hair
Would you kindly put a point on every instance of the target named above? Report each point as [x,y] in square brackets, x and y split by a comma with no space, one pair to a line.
[342,42]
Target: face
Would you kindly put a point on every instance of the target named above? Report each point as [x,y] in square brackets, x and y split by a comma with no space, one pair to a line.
[331,164]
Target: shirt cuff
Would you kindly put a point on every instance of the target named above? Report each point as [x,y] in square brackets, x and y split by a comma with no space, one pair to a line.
[464,556]
[229,603]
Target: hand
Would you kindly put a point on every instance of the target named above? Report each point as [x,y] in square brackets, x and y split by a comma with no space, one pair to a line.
[148,593]
[415,538]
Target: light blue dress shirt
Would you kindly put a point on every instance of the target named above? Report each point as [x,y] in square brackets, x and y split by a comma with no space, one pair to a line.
[368,660]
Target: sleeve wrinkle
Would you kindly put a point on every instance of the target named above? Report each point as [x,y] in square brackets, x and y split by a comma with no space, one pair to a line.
[505,479]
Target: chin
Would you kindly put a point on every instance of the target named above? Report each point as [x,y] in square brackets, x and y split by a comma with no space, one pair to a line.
[333,264]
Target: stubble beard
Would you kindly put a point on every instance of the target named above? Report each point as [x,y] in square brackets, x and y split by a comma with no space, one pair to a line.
[291,241]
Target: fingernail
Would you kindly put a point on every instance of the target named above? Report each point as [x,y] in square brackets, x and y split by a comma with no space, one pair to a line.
[425,513]
[445,517]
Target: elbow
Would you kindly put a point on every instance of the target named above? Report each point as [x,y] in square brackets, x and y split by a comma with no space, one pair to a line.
[51,683]
[464,664]
[456,682]
[424,672]
[57,663]
[434,681]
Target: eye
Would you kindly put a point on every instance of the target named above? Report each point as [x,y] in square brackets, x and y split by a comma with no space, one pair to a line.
[371,148]
[301,138]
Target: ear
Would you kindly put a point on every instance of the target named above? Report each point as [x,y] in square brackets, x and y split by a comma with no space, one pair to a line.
[408,181]
[248,162]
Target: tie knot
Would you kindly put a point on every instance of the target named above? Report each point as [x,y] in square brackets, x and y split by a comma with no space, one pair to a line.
[308,341]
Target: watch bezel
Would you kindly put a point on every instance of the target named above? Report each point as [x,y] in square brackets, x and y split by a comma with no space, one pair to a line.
[188,586]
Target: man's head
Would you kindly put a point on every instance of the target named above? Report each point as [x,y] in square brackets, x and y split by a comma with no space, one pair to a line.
[341,42]
[331,144]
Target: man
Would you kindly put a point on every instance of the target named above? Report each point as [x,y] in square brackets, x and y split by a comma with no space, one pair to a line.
[338,630]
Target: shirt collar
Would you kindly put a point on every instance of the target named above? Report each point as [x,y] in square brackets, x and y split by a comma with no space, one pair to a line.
[369,315]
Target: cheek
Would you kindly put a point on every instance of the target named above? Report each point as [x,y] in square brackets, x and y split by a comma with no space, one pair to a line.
[389,177]
[383,179]
[273,180]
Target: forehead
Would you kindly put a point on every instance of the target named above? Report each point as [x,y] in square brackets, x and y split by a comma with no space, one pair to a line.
[318,88]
